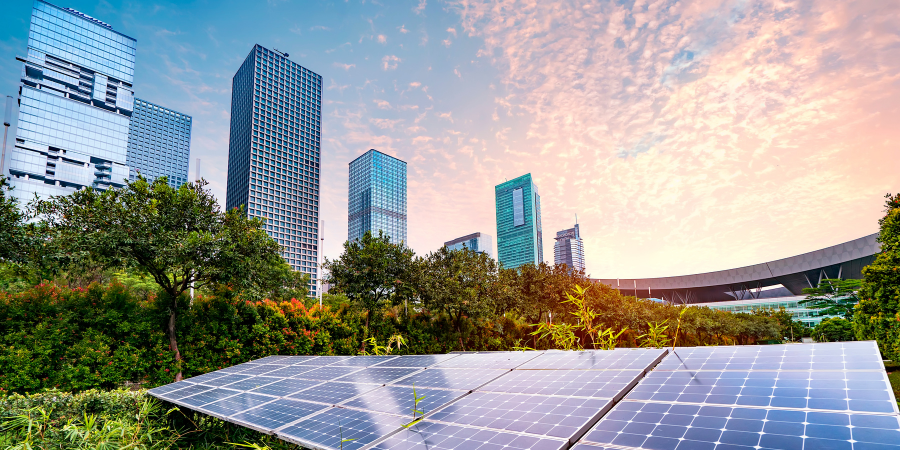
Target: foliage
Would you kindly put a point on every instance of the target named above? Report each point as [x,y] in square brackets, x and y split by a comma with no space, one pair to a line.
[379,350]
[12,223]
[833,329]
[656,336]
[878,313]
[833,297]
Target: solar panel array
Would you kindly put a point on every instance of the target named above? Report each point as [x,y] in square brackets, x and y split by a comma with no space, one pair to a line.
[781,397]
[813,396]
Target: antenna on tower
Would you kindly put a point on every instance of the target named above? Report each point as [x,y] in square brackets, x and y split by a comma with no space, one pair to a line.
[7,121]
[576,218]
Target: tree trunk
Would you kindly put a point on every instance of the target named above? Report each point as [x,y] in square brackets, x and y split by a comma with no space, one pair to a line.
[173,344]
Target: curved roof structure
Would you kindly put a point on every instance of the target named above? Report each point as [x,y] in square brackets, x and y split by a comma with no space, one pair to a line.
[794,273]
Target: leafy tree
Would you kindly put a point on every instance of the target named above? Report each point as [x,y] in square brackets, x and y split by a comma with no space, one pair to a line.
[833,297]
[877,314]
[12,221]
[459,283]
[833,329]
[179,237]
[372,272]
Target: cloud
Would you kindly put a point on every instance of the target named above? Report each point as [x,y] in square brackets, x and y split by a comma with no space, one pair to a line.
[382,104]
[338,87]
[319,28]
[344,66]
[446,42]
[420,8]
[452,31]
[402,29]
[415,84]
[447,115]
[345,44]
[389,62]
[382,39]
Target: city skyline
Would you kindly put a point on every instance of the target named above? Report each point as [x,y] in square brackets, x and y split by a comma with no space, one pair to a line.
[377,197]
[679,156]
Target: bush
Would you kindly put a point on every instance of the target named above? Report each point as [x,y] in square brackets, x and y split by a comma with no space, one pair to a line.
[835,329]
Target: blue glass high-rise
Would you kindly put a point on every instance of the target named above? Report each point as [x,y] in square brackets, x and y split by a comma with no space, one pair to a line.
[159,143]
[519,234]
[273,152]
[377,197]
[75,102]
[569,249]
[477,242]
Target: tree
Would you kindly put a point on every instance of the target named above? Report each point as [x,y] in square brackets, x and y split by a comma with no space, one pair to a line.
[877,314]
[459,283]
[179,237]
[833,297]
[11,223]
[833,329]
[372,272]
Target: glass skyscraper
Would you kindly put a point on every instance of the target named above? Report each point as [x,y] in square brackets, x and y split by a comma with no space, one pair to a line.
[75,104]
[478,242]
[569,248]
[377,196]
[273,152]
[519,236]
[159,143]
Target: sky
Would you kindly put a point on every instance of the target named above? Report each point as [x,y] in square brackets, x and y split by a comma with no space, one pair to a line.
[687,136]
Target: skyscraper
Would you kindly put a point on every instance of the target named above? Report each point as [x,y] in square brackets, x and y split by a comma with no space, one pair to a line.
[273,152]
[519,236]
[478,242]
[377,196]
[569,249]
[75,104]
[159,143]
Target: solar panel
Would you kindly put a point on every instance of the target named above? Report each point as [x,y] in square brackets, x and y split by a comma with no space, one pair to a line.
[251,383]
[378,375]
[618,359]
[367,360]
[332,393]
[489,360]
[559,417]
[322,361]
[261,369]
[399,400]
[272,360]
[286,387]
[428,435]
[822,356]
[583,383]
[207,397]
[276,414]
[289,371]
[235,404]
[185,391]
[205,377]
[417,360]
[226,379]
[325,430]
[327,373]
[825,390]
[669,426]
[295,359]
[464,379]
[237,368]
[165,389]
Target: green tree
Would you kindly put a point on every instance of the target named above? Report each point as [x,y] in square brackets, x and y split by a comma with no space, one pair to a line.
[12,221]
[833,329]
[459,283]
[833,297]
[179,237]
[877,313]
[372,272]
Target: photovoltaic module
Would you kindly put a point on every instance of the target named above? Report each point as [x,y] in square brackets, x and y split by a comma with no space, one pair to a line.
[794,396]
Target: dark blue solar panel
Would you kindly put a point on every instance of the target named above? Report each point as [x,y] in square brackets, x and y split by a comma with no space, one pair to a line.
[619,359]
[367,360]
[582,383]
[559,417]
[821,356]
[207,397]
[427,435]
[332,393]
[202,379]
[325,430]
[296,359]
[285,387]
[251,383]
[165,389]
[236,404]
[838,390]
[327,373]
[186,391]
[417,360]
[465,379]
[274,359]
[681,427]
[323,361]
[227,379]
[277,414]
[261,369]
[489,360]
[399,400]
[289,371]
[378,375]
[238,368]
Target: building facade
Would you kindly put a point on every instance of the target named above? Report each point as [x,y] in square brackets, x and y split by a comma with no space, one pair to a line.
[519,235]
[75,105]
[159,143]
[377,196]
[478,242]
[569,249]
[273,152]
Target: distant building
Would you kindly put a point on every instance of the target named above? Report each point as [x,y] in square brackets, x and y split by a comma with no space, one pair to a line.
[159,143]
[569,249]
[377,197]
[75,103]
[273,152]
[478,242]
[519,235]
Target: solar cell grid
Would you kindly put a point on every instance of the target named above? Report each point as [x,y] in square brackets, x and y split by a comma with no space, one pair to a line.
[417,360]
[186,391]
[327,373]
[322,361]
[270,359]
[207,397]
[378,375]
[237,368]
[367,360]
[165,389]
[325,430]
[297,359]
[332,393]
[235,404]
[277,414]
[489,360]
[822,356]
[262,369]
[596,359]
[251,383]
[685,427]
[582,383]
[463,379]
[226,379]
[289,371]
[836,391]
[285,387]
[201,379]
[428,435]
[559,417]
[399,400]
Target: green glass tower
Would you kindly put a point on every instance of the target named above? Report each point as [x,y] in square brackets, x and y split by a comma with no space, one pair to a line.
[519,239]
